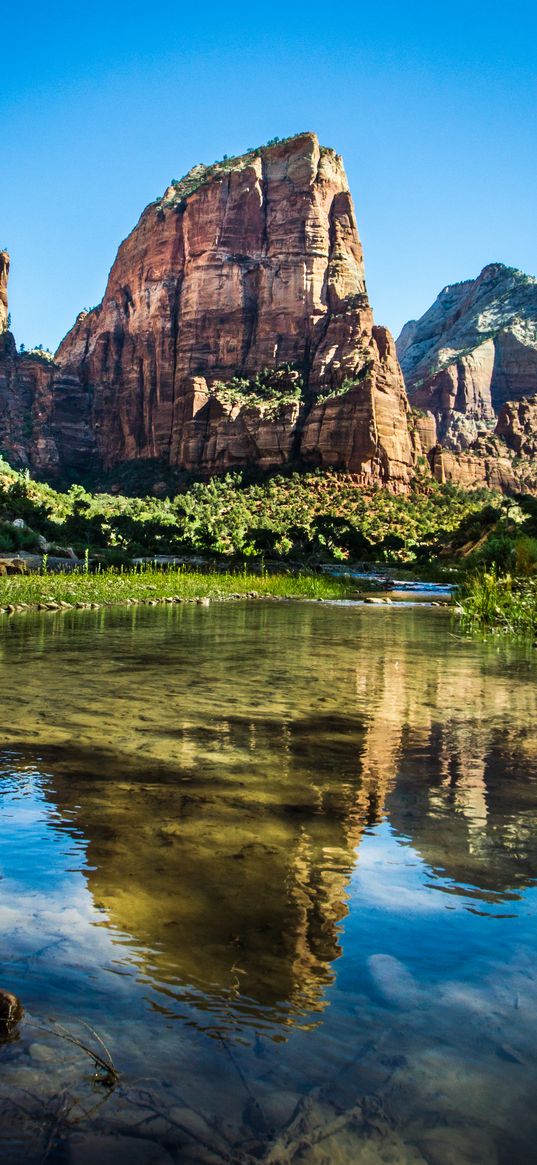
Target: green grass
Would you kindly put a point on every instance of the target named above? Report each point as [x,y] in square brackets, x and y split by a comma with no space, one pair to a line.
[148,585]
[490,601]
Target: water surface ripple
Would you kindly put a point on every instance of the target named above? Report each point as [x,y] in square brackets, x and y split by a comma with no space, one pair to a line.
[282,858]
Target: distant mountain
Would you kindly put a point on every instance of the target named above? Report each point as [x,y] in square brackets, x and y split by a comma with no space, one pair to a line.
[472,352]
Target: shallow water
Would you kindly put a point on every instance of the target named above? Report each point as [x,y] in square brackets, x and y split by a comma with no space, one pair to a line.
[282,858]
[387,582]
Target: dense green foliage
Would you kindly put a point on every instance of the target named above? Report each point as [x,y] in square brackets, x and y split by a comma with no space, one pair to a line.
[301,517]
[501,594]
[268,390]
[304,518]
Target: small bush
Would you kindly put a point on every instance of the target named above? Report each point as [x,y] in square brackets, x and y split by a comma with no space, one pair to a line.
[526,555]
[493,601]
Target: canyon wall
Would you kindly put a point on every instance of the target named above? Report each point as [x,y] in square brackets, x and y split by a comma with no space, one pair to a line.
[236,330]
[4,274]
[473,351]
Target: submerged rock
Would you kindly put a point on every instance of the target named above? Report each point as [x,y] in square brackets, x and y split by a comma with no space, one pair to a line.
[11,1013]
[42,1053]
[393,981]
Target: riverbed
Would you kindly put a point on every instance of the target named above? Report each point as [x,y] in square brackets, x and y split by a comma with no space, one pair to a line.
[281,859]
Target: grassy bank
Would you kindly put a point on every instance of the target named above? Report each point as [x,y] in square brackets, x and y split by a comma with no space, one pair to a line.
[150,586]
[491,601]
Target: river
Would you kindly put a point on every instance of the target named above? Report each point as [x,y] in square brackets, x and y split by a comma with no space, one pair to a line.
[281,858]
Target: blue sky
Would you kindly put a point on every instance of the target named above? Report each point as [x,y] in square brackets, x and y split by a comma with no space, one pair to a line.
[432,106]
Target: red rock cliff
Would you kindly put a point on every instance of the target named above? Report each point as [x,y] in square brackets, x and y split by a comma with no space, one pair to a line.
[45,419]
[249,269]
[4,272]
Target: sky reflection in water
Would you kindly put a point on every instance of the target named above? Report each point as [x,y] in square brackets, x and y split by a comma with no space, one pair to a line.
[266,850]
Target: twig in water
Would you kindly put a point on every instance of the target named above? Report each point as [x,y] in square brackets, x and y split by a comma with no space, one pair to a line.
[110,1074]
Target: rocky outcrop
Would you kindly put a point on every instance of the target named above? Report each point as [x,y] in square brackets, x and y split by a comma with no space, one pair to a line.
[45,418]
[4,273]
[487,463]
[25,389]
[236,331]
[250,266]
[365,429]
[517,426]
[505,459]
[472,351]
[424,434]
[211,434]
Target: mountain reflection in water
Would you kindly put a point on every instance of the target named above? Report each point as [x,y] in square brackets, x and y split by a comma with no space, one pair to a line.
[253,821]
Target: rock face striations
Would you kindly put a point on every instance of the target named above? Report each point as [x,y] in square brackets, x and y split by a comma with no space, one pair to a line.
[4,273]
[470,366]
[25,396]
[236,329]
[472,352]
